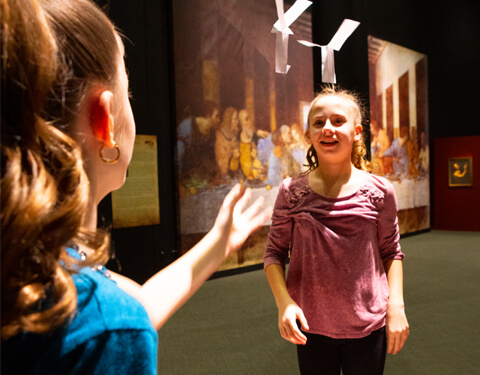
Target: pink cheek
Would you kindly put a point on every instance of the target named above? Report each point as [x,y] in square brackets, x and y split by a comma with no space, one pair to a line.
[315,135]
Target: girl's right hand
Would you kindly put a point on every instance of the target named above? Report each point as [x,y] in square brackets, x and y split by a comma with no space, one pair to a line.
[235,222]
[287,323]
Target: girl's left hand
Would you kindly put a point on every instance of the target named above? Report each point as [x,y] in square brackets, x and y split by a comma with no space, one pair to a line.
[397,329]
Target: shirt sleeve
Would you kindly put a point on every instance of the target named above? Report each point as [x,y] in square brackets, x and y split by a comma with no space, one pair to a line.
[280,235]
[388,232]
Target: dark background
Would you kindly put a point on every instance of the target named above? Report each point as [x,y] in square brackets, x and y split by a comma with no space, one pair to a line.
[448,32]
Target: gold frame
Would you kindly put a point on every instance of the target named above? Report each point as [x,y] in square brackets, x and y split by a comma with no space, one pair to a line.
[464,176]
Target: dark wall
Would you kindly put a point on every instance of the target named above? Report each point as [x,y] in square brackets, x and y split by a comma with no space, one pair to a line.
[141,251]
[456,208]
[446,31]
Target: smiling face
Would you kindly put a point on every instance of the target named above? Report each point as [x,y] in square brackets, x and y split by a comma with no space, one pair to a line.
[334,124]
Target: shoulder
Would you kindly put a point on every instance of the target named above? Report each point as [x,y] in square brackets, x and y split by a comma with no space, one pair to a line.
[294,186]
[185,127]
[293,183]
[378,188]
[380,183]
[103,307]
[109,327]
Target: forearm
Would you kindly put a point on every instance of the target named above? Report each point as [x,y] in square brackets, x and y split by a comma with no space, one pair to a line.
[394,271]
[276,278]
[165,292]
[169,289]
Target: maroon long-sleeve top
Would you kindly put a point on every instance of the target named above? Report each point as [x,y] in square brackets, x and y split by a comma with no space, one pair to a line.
[337,250]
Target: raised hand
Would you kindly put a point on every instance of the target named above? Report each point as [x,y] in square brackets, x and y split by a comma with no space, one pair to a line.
[236,223]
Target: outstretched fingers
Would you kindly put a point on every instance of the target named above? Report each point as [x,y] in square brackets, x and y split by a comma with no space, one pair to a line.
[234,196]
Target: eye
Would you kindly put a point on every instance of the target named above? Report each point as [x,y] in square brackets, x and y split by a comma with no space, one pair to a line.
[318,123]
[339,121]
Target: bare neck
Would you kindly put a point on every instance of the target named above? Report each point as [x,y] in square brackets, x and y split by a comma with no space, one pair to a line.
[335,181]
[90,221]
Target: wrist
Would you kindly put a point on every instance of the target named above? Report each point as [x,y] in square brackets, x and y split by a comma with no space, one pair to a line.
[396,304]
[284,301]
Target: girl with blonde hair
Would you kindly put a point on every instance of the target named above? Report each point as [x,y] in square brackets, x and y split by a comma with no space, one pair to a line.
[338,224]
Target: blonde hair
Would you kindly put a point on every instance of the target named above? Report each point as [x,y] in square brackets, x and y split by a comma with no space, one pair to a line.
[359,150]
[44,187]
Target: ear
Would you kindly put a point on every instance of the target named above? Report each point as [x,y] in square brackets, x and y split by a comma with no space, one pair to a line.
[358,132]
[101,119]
[307,136]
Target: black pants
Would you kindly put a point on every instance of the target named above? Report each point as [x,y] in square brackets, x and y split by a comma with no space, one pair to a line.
[324,355]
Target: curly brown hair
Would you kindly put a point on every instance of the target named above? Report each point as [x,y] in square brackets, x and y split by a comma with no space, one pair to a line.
[48,50]
[359,150]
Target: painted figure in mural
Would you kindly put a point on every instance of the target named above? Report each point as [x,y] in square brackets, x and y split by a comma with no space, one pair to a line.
[265,149]
[281,163]
[286,135]
[195,147]
[67,138]
[291,166]
[423,155]
[398,151]
[275,166]
[339,225]
[299,145]
[251,166]
[227,148]
[378,145]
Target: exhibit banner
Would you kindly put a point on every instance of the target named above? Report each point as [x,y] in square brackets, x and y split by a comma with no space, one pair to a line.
[237,119]
[137,203]
[399,128]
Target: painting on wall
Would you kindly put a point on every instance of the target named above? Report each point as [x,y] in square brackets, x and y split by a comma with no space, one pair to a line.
[399,128]
[237,120]
[460,172]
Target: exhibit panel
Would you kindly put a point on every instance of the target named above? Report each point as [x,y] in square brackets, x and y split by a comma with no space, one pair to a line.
[237,119]
[399,128]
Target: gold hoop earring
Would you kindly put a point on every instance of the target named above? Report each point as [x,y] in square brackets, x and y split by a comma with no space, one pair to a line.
[110,161]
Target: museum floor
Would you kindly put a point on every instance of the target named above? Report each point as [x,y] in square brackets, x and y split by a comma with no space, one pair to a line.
[230,325]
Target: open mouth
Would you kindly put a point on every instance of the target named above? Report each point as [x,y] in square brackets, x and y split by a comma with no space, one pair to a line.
[332,142]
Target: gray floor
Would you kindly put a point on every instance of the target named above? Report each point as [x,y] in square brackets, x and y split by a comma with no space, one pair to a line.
[230,325]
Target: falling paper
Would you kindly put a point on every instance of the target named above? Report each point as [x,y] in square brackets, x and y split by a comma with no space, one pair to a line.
[344,31]
[281,28]
[328,64]
[290,16]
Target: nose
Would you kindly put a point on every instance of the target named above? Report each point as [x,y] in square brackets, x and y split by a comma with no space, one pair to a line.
[328,128]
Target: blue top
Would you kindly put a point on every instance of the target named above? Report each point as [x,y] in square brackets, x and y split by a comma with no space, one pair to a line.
[111,333]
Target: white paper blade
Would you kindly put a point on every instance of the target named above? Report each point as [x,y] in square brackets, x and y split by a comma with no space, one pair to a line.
[344,31]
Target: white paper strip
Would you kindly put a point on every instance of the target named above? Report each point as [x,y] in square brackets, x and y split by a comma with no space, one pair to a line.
[281,54]
[291,15]
[344,31]
[282,24]
[281,29]
[328,63]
